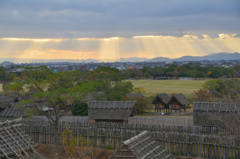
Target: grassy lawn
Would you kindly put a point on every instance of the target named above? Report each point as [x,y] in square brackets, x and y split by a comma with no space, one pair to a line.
[1,88]
[153,87]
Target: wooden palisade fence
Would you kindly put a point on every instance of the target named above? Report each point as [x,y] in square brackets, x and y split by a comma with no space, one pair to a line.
[187,141]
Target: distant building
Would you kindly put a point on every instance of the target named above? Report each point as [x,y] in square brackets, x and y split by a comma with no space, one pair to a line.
[121,68]
[185,78]
[6,64]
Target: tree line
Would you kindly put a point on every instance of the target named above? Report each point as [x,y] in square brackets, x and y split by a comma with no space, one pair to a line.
[174,71]
[168,71]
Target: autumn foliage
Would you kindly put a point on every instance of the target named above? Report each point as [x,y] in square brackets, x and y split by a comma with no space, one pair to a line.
[202,95]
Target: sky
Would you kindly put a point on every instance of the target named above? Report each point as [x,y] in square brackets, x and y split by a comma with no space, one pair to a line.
[112,29]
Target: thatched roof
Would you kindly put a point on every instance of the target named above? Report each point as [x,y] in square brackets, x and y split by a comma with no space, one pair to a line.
[12,112]
[39,104]
[110,110]
[180,98]
[216,107]
[135,95]
[5,101]
[93,96]
[141,146]
[14,143]
[63,119]
[162,97]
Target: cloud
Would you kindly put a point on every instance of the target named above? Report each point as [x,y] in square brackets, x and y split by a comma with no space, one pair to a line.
[34,40]
[108,18]
[118,47]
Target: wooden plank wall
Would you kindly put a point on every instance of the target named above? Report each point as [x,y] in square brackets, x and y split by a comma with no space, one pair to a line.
[187,141]
[161,121]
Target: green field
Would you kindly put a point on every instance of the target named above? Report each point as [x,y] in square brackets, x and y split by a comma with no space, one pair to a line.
[153,87]
[1,88]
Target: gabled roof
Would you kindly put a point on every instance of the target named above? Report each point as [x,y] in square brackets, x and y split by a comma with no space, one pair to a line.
[162,97]
[5,99]
[135,95]
[63,119]
[216,107]
[93,96]
[141,146]
[12,112]
[110,110]
[180,98]
[14,142]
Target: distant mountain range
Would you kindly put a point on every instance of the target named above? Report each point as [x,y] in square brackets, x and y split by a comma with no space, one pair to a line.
[211,57]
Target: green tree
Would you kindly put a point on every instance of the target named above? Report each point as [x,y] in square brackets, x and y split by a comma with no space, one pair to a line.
[142,105]
[109,81]
[225,89]
[80,109]
[170,69]
[106,73]
[118,91]
[15,87]
[228,92]
[157,71]
[213,85]
[60,92]
[4,76]
[196,74]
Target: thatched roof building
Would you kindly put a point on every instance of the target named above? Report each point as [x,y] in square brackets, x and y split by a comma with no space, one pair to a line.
[178,102]
[216,114]
[15,110]
[215,107]
[141,146]
[14,142]
[11,113]
[4,102]
[161,101]
[110,111]
[94,96]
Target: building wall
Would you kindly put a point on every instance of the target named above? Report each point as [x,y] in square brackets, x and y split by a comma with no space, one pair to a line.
[112,121]
[174,104]
[160,105]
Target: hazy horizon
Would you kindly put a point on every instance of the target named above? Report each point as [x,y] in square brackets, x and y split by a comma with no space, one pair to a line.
[131,59]
[107,29]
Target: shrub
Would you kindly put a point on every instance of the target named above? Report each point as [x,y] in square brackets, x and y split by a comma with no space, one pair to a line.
[81,109]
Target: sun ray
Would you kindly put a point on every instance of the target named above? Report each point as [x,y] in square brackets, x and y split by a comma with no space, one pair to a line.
[112,48]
